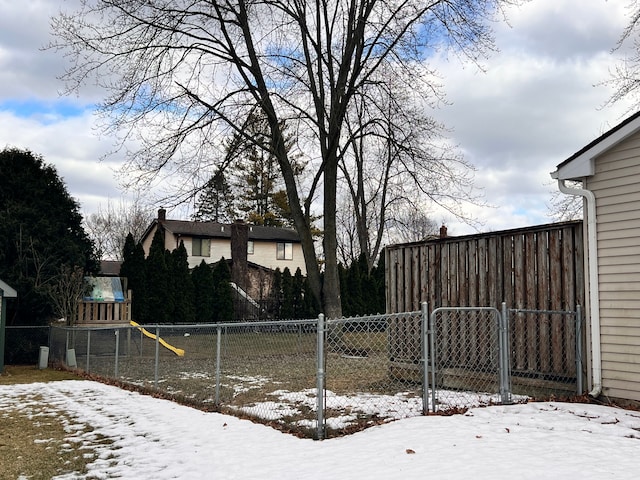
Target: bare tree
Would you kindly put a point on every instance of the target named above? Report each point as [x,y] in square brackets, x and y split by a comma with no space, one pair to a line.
[565,207]
[109,227]
[181,74]
[396,161]
[66,291]
[625,77]
[412,225]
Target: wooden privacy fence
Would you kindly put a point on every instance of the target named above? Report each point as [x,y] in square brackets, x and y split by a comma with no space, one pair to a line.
[531,269]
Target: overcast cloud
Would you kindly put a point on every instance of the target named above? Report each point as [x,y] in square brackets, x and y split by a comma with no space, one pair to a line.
[533,106]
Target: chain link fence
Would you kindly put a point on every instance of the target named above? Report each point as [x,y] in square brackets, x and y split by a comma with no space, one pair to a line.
[361,386]
[467,362]
[368,370]
[23,342]
[546,351]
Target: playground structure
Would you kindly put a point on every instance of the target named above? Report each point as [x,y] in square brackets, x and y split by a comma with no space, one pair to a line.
[108,305]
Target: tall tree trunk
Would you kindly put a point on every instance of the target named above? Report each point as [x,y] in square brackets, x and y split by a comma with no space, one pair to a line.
[331,285]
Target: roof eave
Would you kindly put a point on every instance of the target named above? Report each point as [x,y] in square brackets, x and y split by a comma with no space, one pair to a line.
[582,163]
[7,291]
[578,168]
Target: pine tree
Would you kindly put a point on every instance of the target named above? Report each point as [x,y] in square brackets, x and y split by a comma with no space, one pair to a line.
[182,286]
[287,308]
[134,270]
[276,292]
[298,295]
[159,302]
[202,278]
[259,182]
[41,235]
[311,309]
[216,201]
[223,293]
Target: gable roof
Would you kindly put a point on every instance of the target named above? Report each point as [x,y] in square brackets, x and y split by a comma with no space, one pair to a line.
[223,230]
[581,163]
[7,291]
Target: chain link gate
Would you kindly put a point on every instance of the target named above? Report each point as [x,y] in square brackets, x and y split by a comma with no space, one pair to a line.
[467,361]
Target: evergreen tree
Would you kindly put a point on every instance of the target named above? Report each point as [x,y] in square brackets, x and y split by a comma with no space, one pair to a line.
[276,292]
[216,201]
[202,277]
[223,293]
[41,234]
[182,286]
[345,296]
[362,291]
[287,303]
[259,183]
[311,308]
[298,295]
[134,270]
[158,304]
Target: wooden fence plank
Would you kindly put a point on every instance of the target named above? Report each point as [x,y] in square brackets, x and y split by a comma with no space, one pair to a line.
[542,279]
[555,290]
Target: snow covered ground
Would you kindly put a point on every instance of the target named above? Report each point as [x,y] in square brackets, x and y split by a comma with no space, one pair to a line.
[158,439]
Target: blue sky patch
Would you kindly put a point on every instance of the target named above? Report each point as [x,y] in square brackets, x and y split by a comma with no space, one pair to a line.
[45,111]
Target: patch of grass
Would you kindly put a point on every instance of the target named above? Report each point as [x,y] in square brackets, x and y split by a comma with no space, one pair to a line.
[33,442]
[33,445]
[14,374]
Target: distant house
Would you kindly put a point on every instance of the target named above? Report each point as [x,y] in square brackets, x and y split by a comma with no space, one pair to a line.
[267,247]
[608,170]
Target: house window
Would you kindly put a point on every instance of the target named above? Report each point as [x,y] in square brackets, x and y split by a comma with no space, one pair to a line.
[201,247]
[250,247]
[284,251]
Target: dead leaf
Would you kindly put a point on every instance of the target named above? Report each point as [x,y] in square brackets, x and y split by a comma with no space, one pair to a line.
[409,451]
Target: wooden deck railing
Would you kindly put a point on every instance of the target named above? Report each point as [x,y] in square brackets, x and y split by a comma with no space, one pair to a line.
[100,313]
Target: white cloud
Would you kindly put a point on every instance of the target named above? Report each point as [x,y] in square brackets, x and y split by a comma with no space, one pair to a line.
[73,148]
[535,105]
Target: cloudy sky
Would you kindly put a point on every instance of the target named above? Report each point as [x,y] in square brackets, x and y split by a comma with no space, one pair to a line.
[534,105]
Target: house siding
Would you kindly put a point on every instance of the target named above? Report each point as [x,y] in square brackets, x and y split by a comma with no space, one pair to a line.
[264,253]
[616,185]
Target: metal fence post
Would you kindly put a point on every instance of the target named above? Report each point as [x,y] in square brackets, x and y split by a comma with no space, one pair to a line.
[425,358]
[88,348]
[117,332]
[320,378]
[155,375]
[505,371]
[432,354]
[218,344]
[579,387]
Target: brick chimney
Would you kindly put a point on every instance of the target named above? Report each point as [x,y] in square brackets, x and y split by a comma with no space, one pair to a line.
[162,214]
[443,231]
[239,267]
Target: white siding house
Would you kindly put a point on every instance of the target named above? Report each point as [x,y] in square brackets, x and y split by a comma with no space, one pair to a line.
[609,171]
[268,247]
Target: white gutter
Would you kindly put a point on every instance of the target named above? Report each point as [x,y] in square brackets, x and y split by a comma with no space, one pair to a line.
[594,295]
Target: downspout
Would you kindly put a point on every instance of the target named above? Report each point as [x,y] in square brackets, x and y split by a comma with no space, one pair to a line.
[594,295]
